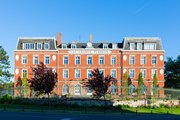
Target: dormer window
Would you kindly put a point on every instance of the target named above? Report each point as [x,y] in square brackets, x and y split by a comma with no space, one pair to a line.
[132,46]
[139,46]
[105,46]
[149,46]
[46,46]
[39,46]
[64,46]
[28,46]
[114,46]
[73,45]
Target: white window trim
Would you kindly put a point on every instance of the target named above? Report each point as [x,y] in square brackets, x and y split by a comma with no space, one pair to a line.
[156,59]
[72,45]
[39,48]
[87,59]
[111,59]
[140,59]
[79,74]
[105,44]
[75,59]
[79,91]
[45,45]
[64,72]
[156,73]
[87,72]
[141,45]
[145,72]
[22,59]
[130,72]
[64,45]
[63,59]
[111,72]
[130,46]
[99,59]
[130,59]
[45,59]
[22,73]
[33,59]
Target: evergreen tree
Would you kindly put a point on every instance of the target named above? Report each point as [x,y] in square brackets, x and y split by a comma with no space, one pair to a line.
[155,84]
[25,85]
[125,84]
[140,83]
[5,75]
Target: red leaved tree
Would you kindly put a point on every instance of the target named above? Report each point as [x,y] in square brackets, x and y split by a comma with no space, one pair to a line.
[98,83]
[43,80]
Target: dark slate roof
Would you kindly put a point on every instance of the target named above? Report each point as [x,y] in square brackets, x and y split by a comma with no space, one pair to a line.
[143,40]
[36,40]
[95,45]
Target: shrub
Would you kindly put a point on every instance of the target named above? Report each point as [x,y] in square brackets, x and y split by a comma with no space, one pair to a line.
[6,98]
[161,105]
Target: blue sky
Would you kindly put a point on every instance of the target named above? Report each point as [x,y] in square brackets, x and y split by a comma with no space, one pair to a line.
[107,20]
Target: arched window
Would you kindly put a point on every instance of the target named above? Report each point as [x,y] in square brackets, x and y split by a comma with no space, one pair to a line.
[113,89]
[131,89]
[77,90]
[89,91]
[65,89]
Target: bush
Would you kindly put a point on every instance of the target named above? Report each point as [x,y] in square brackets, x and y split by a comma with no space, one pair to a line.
[6,98]
[161,105]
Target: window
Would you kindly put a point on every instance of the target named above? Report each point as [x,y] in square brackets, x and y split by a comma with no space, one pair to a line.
[143,60]
[77,90]
[28,45]
[143,89]
[39,46]
[143,71]
[105,46]
[89,91]
[65,89]
[89,73]
[154,60]
[64,46]
[101,60]
[149,46]
[132,60]
[113,60]
[47,60]
[77,60]
[77,73]
[132,89]
[35,59]
[65,61]
[132,46]
[65,73]
[102,71]
[139,46]
[89,60]
[73,45]
[153,71]
[24,73]
[113,73]
[24,59]
[113,89]
[46,46]
[131,73]
[114,46]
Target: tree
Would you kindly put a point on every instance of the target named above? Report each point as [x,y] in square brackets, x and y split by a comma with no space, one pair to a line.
[98,83]
[155,84]
[25,85]
[43,80]
[172,72]
[125,84]
[140,83]
[5,75]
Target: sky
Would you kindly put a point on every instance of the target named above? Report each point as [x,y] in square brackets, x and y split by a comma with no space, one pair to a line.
[106,20]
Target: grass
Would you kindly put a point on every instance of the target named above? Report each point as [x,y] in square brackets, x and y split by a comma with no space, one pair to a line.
[94,110]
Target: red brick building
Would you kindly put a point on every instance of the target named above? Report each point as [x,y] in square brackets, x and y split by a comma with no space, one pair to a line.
[74,61]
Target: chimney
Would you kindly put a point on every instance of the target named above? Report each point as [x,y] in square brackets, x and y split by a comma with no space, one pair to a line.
[91,38]
[59,38]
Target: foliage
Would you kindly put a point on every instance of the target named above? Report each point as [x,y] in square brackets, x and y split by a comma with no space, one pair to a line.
[125,84]
[140,83]
[155,84]
[43,80]
[98,83]
[25,85]
[5,75]
[172,72]
[6,99]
